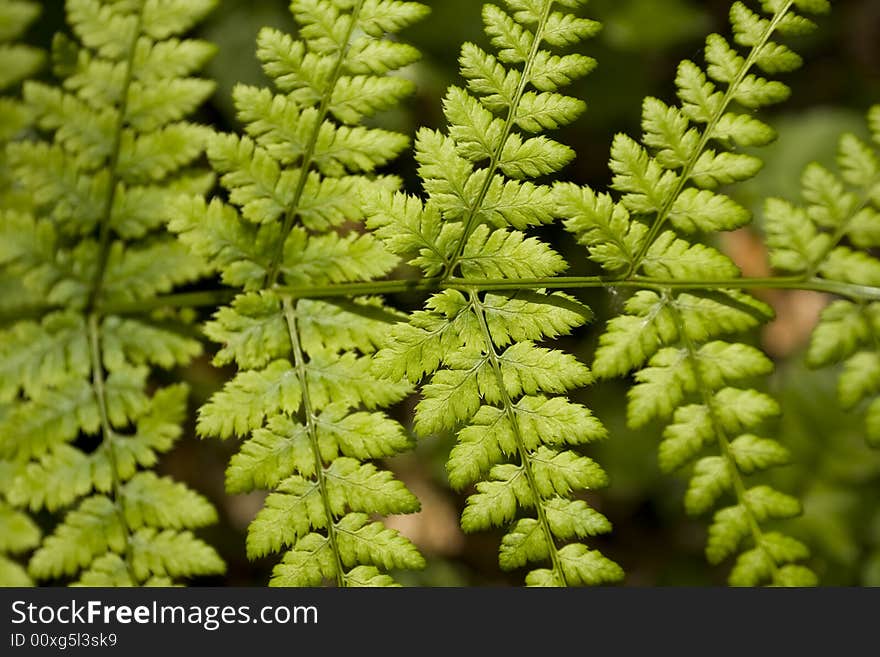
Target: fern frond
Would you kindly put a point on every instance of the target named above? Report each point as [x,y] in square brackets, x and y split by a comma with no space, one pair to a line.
[685,375]
[668,180]
[115,150]
[693,385]
[831,237]
[17,62]
[489,380]
[306,397]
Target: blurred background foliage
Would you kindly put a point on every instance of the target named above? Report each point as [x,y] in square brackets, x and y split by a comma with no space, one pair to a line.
[836,474]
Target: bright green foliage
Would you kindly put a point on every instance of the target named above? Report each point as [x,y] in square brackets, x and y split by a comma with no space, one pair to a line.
[17,62]
[306,397]
[669,182]
[517,433]
[78,421]
[18,533]
[93,167]
[685,375]
[689,379]
[832,238]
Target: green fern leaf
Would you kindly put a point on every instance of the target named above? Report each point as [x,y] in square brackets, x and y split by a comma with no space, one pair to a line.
[844,327]
[18,534]
[214,232]
[584,567]
[808,241]
[85,534]
[113,151]
[151,501]
[668,185]
[306,387]
[249,398]
[489,380]
[601,225]
[703,210]
[17,62]
[849,266]
[501,254]
[365,542]
[860,378]
[672,257]
[172,555]
[65,474]
[753,454]
[369,576]
[307,563]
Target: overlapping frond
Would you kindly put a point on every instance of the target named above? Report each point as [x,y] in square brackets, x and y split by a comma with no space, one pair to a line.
[80,427]
[685,374]
[306,397]
[832,237]
[518,434]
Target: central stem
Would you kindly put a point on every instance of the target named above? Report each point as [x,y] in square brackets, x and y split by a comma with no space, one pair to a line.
[214,297]
[105,229]
[739,487]
[312,430]
[92,306]
[522,451]
[108,439]
[706,137]
[309,153]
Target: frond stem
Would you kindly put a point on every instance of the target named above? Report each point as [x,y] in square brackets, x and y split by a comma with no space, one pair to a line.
[309,153]
[211,298]
[202,299]
[108,437]
[688,169]
[495,161]
[312,429]
[523,452]
[105,229]
[841,288]
[739,487]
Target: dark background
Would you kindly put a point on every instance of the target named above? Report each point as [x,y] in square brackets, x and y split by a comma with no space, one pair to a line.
[836,475]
